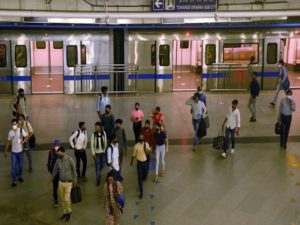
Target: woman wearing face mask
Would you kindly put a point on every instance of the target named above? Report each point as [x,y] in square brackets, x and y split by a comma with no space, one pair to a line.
[286,108]
[160,138]
[52,157]
[113,210]
[283,81]
[137,116]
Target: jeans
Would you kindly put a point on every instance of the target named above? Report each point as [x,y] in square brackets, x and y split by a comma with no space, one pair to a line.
[160,151]
[99,164]
[285,124]
[196,127]
[278,89]
[252,106]
[80,155]
[142,171]
[137,128]
[55,188]
[228,132]
[17,163]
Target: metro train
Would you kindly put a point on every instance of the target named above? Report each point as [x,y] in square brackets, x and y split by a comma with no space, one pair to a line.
[43,60]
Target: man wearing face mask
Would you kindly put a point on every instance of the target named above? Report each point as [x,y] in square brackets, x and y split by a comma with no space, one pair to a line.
[140,151]
[286,108]
[78,142]
[137,116]
[283,81]
[52,157]
[16,137]
[113,157]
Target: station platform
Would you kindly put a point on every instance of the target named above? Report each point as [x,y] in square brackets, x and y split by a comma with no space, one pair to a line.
[258,185]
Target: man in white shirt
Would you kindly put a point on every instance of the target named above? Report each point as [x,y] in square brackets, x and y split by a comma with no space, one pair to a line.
[16,137]
[113,157]
[78,142]
[198,109]
[233,124]
[102,101]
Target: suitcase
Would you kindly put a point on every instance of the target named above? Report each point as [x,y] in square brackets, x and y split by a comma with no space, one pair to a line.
[76,195]
[219,141]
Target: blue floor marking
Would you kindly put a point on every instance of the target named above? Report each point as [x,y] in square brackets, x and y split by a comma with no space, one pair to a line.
[135,216]
[138,203]
[152,196]
[152,208]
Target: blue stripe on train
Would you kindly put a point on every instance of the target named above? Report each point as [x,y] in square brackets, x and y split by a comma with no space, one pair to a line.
[149,76]
[222,75]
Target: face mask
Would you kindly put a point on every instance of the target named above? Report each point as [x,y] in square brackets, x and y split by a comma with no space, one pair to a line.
[200,92]
[289,97]
[136,109]
[56,148]
[14,127]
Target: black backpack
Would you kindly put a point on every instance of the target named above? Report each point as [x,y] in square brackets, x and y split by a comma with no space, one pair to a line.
[75,139]
[16,105]
[111,154]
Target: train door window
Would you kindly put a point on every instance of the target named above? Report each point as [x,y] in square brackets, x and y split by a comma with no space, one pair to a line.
[3,62]
[210,54]
[83,54]
[72,55]
[57,44]
[153,55]
[272,53]
[20,56]
[164,55]
[240,53]
[184,44]
[40,45]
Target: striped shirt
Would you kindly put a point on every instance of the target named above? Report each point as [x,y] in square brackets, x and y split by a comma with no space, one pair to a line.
[65,168]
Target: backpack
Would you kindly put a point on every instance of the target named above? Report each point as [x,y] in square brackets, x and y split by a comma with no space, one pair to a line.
[111,154]
[14,112]
[75,139]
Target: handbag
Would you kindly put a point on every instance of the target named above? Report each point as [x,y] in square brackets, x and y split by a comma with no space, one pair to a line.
[206,120]
[201,129]
[76,195]
[219,141]
[32,139]
[286,84]
[277,128]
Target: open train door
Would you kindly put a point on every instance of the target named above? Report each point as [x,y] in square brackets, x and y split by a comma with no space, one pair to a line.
[21,65]
[209,57]
[5,68]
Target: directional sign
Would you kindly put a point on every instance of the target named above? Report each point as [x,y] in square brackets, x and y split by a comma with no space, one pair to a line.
[158,5]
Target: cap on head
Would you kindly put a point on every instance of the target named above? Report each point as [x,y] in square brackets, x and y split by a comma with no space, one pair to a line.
[57,142]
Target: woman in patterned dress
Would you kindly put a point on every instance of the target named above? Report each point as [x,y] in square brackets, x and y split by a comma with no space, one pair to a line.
[113,210]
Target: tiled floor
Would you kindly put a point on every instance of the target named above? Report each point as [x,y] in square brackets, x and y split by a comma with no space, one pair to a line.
[259,185]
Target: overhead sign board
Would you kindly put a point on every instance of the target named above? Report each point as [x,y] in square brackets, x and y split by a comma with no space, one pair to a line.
[184,5]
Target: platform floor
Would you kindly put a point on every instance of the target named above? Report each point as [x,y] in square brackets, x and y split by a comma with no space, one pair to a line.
[259,185]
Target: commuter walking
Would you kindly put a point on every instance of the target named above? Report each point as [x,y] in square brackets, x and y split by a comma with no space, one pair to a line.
[147,132]
[283,81]
[102,101]
[140,150]
[137,116]
[232,123]
[65,167]
[202,96]
[52,157]
[198,110]
[160,138]
[16,138]
[98,146]
[251,70]
[254,93]
[113,210]
[113,158]
[108,121]
[26,126]
[286,108]
[119,131]
[78,142]
[20,107]
[158,117]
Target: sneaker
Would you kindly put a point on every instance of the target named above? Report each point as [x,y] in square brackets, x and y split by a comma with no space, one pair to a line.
[14,184]
[272,104]
[55,205]
[20,179]
[156,179]
[30,170]
[63,216]
[252,119]
[232,151]
[141,195]
[68,216]
[224,154]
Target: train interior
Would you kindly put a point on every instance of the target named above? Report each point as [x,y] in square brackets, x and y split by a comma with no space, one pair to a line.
[291,56]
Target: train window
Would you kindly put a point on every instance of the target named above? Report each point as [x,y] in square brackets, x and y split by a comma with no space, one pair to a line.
[57,44]
[21,56]
[184,44]
[164,55]
[83,54]
[72,55]
[40,44]
[272,53]
[210,54]
[153,55]
[240,52]
[3,62]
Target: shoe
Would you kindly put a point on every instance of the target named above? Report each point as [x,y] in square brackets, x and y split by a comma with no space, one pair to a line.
[55,205]
[68,216]
[252,119]
[194,148]
[141,195]
[272,104]
[98,183]
[224,154]
[284,147]
[163,172]
[30,170]
[156,179]
[14,184]
[232,151]
[63,216]
[20,179]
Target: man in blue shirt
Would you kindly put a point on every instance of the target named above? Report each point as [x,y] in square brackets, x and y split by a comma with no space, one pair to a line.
[254,92]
